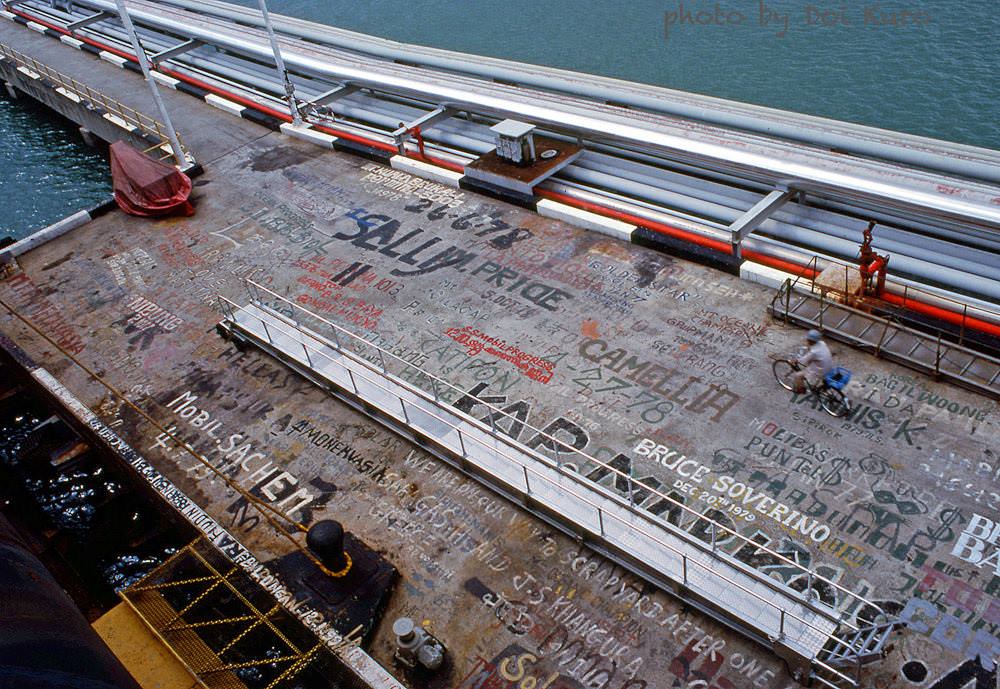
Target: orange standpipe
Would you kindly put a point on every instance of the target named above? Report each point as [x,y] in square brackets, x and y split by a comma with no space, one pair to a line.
[872,265]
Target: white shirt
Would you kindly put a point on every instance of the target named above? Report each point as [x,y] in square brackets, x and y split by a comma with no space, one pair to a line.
[818,361]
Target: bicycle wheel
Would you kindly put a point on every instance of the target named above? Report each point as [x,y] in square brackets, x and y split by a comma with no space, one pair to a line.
[784,373]
[834,402]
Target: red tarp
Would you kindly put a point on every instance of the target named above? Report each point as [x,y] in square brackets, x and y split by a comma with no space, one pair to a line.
[147,187]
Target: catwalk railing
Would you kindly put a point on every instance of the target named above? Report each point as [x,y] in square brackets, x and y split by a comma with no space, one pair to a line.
[148,126]
[544,477]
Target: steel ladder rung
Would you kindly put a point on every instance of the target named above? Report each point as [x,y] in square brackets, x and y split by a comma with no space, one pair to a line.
[794,309]
[845,319]
[789,310]
[871,324]
[840,651]
[972,360]
[876,631]
[858,643]
[915,347]
[838,643]
[890,338]
[816,319]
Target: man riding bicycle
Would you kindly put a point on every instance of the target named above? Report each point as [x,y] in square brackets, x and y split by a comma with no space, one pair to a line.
[817,362]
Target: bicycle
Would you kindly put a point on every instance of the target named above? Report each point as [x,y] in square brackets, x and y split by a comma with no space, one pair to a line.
[829,392]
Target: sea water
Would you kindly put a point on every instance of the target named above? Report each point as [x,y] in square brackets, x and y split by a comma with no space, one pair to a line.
[928,67]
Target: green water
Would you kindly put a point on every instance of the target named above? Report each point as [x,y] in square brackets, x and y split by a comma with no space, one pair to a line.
[47,170]
[928,67]
[937,75]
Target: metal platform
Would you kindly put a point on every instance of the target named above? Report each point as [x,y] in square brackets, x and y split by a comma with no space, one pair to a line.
[372,379]
[930,354]
[225,629]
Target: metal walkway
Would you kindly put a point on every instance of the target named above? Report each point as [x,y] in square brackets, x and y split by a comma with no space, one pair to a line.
[933,355]
[797,628]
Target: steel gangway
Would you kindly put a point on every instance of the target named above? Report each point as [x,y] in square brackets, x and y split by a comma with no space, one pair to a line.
[817,642]
[864,323]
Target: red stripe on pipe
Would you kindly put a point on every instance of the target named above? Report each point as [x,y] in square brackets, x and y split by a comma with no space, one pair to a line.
[787,266]
[373,143]
[235,97]
[219,92]
[943,314]
[381,145]
[677,233]
[780,264]
[455,167]
[84,39]
[668,230]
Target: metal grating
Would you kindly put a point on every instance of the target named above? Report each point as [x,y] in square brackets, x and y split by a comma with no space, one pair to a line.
[225,629]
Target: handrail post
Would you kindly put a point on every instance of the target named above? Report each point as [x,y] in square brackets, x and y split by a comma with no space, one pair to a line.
[781,625]
[382,359]
[822,300]
[684,569]
[713,535]
[937,356]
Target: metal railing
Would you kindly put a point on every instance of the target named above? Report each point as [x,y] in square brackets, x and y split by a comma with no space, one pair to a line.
[144,123]
[716,530]
[937,339]
[904,294]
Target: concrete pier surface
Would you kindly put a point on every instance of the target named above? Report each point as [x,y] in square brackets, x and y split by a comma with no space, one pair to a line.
[897,502]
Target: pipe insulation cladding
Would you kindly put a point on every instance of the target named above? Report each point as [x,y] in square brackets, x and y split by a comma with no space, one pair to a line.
[950,158]
[569,116]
